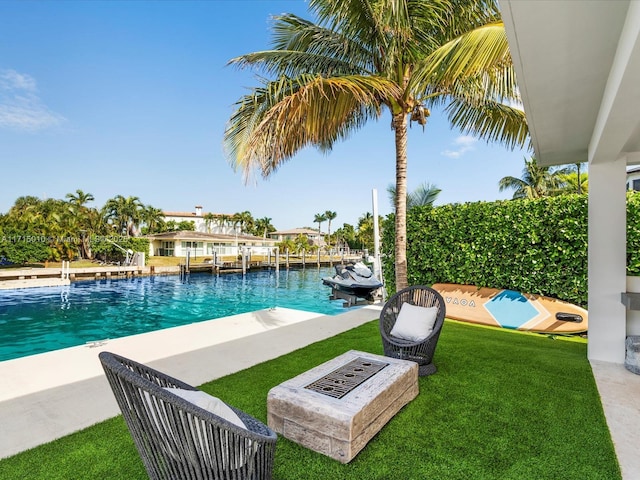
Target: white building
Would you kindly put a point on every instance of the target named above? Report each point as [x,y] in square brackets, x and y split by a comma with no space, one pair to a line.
[201,245]
[217,223]
[633,178]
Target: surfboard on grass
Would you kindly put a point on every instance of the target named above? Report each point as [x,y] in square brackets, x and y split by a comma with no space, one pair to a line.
[511,309]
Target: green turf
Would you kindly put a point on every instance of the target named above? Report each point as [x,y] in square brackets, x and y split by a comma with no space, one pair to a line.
[502,406]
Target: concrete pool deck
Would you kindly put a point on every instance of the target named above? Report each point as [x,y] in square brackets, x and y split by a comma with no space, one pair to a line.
[47,396]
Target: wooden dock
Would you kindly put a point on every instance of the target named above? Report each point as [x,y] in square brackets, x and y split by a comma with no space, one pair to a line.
[53,276]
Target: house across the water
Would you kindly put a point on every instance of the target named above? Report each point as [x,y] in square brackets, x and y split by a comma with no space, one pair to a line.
[201,245]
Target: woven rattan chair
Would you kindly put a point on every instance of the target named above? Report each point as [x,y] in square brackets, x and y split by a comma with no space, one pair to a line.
[178,439]
[421,351]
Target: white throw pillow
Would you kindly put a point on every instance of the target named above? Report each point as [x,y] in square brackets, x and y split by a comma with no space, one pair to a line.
[414,323]
[209,403]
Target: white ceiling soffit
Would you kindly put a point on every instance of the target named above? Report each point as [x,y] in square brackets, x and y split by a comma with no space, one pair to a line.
[578,68]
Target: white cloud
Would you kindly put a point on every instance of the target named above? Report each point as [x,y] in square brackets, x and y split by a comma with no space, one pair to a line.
[463,144]
[20,106]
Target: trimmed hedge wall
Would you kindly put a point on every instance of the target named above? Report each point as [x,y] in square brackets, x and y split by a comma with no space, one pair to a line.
[633,233]
[534,246]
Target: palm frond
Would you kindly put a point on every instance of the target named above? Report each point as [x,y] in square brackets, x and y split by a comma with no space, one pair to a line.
[286,115]
[490,121]
[480,50]
[425,194]
[310,48]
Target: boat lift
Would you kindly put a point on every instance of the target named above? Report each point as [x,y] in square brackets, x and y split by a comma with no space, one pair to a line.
[128,252]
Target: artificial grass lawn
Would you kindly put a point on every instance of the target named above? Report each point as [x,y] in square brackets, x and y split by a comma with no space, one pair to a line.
[502,405]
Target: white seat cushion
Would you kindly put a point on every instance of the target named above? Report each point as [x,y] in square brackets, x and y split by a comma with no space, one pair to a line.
[414,323]
[208,403]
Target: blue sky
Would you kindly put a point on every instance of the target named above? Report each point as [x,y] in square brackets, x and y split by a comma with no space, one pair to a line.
[132,97]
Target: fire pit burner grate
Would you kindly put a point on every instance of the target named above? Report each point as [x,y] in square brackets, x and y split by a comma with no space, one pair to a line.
[344,379]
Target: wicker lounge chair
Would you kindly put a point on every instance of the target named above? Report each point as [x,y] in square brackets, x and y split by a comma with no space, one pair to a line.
[407,343]
[176,438]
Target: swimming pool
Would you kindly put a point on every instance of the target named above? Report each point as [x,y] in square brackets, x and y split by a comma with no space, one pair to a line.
[38,320]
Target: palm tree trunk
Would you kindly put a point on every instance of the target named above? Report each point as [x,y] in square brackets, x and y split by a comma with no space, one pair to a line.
[400,129]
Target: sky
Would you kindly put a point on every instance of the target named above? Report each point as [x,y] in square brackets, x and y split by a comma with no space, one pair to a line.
[132,98]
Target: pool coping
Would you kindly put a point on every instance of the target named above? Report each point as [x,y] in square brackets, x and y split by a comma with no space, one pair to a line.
[46,396]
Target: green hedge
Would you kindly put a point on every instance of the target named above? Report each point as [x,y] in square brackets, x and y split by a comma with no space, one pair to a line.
[633,233]
[534,246]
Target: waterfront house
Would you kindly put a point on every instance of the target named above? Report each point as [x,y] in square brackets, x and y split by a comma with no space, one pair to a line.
[201,245]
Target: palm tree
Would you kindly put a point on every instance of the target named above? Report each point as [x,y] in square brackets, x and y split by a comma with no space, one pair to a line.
[319,218]
[80,199]
[153,219]
[536,181]
[226,221]
[263,226]
[425,194]
[574,182]
[321,81]
[245,220]
[23,205]
[124,213]
[365,232]
[329,215]
[209,218]
[84,219]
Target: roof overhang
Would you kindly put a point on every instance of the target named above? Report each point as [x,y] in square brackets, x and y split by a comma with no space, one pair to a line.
[578,69]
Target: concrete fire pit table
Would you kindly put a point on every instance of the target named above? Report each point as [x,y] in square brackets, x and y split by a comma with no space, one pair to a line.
[337,407]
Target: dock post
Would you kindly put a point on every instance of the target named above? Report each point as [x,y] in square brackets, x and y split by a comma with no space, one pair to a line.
[244,262]
[304,257]
[277,260]
[287,259]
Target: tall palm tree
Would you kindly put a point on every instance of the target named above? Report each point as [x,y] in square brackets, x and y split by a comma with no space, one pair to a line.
[209,218]
[535,182]
[153,218]
[263,226]
[80,198]
[225,221]
[245,220]
[425,194]
[319,218]
[84,219]
[124,213]
[329,215]
[322,81]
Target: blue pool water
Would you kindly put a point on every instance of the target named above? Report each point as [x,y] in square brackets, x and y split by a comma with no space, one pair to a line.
[37,320]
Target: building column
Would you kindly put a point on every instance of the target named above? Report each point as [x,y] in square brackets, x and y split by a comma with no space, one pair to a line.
[607,261]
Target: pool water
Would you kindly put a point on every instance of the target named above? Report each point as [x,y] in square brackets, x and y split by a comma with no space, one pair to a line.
[38,320]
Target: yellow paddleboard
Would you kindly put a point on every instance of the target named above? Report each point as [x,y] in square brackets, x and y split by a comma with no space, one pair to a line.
[511,309]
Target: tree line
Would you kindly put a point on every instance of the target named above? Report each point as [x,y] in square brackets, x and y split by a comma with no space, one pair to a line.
[41,230]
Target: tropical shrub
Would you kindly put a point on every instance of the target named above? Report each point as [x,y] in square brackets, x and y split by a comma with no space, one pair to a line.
[633,233]
[22,246]
[535,246]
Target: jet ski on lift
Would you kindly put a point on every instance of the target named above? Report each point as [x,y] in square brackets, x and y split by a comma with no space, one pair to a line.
[353,280]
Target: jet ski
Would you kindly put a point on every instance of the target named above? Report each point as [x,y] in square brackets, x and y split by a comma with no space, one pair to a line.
[354,279]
